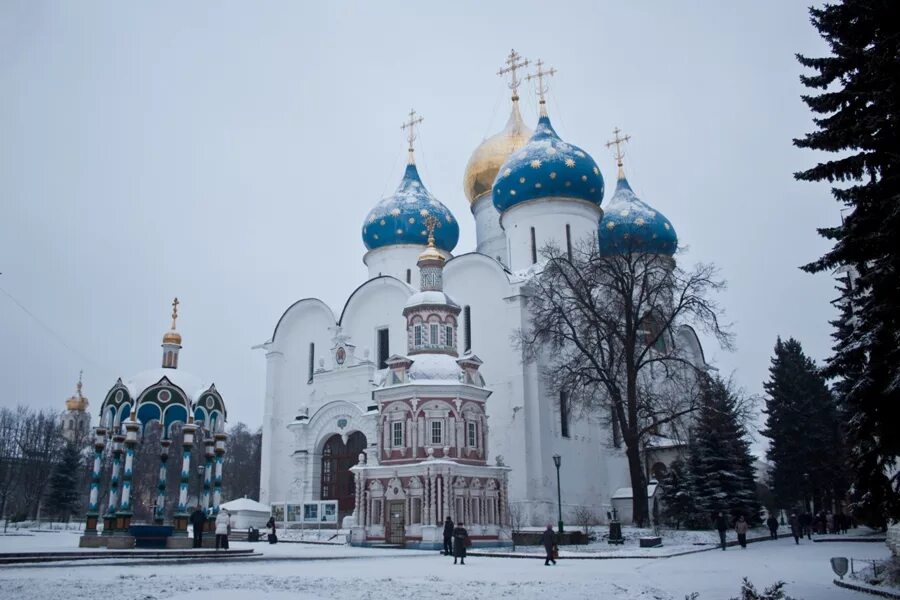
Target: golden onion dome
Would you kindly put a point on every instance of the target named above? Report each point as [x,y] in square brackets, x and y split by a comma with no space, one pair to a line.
[78,401]
[430,253]
[172,337]
[487,158]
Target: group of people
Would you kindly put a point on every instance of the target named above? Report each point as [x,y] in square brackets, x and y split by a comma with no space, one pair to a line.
[740,526]
[198,520]
[802,524]
[456,540]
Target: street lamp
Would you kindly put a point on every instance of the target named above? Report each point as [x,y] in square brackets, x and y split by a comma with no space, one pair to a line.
[557,460]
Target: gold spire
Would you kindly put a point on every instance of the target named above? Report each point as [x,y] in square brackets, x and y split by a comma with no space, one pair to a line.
[618,142]
[431,252]
[541,88]
[172,336]
[513,62]
[411,135]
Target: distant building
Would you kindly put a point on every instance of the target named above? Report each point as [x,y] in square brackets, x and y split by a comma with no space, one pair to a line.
[76,420]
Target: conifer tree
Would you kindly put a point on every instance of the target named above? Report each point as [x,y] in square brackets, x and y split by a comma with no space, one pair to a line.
[856,96]
[677,497]
[63,496]
[801,421]
[721,465]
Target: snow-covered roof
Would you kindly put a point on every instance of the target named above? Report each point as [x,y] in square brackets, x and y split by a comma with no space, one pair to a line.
[192,385]
[430,298]
[660,442]
[246,504]
[434,368]
[625,492]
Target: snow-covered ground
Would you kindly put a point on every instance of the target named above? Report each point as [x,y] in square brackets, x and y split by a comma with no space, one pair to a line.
[287,571]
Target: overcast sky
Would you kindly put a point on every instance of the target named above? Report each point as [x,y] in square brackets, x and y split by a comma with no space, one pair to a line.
[227,153]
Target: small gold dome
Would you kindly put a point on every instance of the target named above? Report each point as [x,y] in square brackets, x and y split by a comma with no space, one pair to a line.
[78,401]
[430,253]
[172,337]
[490,155]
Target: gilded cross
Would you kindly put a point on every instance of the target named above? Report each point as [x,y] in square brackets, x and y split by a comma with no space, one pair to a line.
[410,128]
[513,62]
[541,88]
[618,142]
[175,304]
[431,222]
[80,373]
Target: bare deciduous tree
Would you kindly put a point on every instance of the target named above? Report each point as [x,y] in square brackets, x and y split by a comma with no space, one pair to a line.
[604,330]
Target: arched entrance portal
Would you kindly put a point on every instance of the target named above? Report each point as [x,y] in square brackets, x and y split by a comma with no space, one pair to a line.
[337,480]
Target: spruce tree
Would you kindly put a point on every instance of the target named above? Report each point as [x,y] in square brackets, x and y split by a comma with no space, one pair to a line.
[63,496]
[801,421]
[677,497]
[721,466]
[856,96]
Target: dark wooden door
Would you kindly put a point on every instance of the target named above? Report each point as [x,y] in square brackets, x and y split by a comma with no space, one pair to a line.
[337,480]
[396,530]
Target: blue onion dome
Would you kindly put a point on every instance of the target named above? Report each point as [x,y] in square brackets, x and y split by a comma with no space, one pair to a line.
[547,167]
[400,217]
[630,225]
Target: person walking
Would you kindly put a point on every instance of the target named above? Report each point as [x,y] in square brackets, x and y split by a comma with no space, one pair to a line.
[721,527]
[548,539]
[460,541]
[448,537]
[223,523]
[198,520]
[806,521]
[741,527]
[796,528]
[270,530]
[772,523]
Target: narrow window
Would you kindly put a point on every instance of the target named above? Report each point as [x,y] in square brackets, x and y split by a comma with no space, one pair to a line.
[448,336]
[533,247]
[409,273]
[383,347]
[416,516]
[417,335]
[397,428]
[569,242]
[436,433]
[467,316]
[312,362]
[433,335]
[473,435]
[564,413]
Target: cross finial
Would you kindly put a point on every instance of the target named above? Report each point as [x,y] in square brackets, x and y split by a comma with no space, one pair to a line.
[431,222]
[618,142]
[175,304]
[78,386]
[411,133]
[541,88]
[513,62]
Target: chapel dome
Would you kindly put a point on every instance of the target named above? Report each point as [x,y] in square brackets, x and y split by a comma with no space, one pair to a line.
[631,225]
[486,160]
[172,337]
[547,167]
[399,218]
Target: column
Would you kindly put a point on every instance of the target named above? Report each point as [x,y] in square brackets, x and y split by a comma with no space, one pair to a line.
[93,512]
[159,513]
[220,439]
[209,452]
[109,521]
[123,515]
[432,500]
[187,443]
[448,485]
[426,501]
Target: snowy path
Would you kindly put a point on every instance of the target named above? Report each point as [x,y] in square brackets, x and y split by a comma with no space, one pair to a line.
[377,575]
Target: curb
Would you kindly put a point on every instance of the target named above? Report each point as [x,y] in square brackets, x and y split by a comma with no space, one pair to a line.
[866,589]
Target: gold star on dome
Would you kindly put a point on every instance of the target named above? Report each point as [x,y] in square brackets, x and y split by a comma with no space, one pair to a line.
[521,180]
[424,212]
[535,164]
[395,212]
[639,221]
[570,162]
[610,225]
[666,225]
[537,185]
[411,220]
[596,171]
[381,222]
[584,177]
[512,192]
[553,175]
[507,172]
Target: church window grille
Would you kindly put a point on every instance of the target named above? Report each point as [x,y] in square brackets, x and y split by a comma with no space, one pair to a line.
[312,362]
[383,347]
[416,511]
[473,435]
[533,247]
[409,276]
[397,434]
[433,335]
[376,512]
[437,433]
[448,336]
[467,317]
[569,242]
[417,335]
[564,413]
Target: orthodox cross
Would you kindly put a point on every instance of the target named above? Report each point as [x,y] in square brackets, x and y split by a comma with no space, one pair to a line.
[541,88]
[175,304]
[80,373]
[411,135]
[620,154]
[513,62]
[430,223]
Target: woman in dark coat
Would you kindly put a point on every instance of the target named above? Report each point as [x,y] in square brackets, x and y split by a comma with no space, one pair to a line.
[460,541]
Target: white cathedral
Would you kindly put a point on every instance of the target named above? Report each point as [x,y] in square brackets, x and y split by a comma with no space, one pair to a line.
[322,417]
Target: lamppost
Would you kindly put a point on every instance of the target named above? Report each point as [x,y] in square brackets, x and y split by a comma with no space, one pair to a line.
[557,460]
